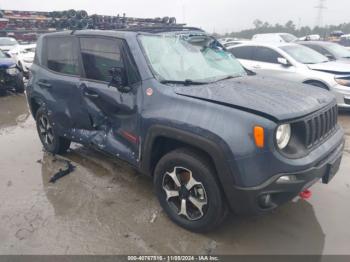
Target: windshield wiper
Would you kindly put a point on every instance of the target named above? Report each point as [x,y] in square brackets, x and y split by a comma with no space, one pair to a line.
[186,82]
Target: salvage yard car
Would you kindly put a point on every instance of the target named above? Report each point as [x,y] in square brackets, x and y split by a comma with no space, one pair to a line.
[296,63]
[176,106]
[11,78]
[332,51]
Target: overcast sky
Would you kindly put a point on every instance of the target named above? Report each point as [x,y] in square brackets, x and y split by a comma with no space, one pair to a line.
[219,15]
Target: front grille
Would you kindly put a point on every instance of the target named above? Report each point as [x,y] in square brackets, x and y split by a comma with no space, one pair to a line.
[320,126]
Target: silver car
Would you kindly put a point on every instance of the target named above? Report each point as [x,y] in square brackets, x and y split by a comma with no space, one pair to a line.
[333,51]
[296,63]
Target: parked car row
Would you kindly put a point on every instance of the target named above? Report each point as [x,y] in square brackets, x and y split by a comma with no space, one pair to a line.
[15,62]
[318,63]
[22,53]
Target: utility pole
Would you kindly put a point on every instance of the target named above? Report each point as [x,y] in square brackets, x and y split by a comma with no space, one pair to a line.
[321,6]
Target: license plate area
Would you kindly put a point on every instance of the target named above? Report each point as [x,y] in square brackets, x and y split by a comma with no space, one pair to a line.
[332,169]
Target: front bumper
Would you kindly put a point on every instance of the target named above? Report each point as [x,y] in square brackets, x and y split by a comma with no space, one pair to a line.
[271,194]
[8,82]
[342,94]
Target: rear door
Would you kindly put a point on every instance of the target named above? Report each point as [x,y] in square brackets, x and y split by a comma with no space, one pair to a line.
[114,115]
[244,55]
[58,80]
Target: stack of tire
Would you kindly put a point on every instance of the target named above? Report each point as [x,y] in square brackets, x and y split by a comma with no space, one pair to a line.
[70,19]
[74,20]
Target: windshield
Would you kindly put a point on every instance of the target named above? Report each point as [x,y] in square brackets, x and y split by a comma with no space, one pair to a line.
[288,38]
[304,54]
[338,50]
[180,58]
[7,41]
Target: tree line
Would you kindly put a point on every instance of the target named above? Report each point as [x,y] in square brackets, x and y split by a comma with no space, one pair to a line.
[289,27]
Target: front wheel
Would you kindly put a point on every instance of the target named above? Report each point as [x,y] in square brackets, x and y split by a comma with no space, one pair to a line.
[187,190]
[49,138]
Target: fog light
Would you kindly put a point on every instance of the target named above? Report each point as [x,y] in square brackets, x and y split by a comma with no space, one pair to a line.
[265,201]
[286,179]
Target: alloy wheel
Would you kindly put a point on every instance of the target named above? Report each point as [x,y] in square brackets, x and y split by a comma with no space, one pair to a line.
[45,130]
[184,194]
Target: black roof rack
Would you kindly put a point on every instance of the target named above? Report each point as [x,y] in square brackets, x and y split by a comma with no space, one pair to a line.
[160,29]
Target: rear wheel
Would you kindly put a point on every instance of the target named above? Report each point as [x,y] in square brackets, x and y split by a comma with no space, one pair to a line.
[187,190]
[49,138]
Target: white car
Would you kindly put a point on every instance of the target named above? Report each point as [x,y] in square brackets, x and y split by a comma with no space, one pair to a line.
[296,63]
[235,42]
[226,40]
[275,37]
[25,56]
[7,44]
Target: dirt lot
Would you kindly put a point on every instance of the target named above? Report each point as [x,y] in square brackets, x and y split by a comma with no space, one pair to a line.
[104,207]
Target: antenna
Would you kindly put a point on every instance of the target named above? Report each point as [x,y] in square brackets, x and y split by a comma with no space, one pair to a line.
[321,6]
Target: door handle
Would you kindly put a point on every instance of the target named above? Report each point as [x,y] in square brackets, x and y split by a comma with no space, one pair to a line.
[257,67]
[44,84]
[91,94]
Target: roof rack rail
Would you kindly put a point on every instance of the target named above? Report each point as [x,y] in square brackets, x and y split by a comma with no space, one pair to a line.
[161,29]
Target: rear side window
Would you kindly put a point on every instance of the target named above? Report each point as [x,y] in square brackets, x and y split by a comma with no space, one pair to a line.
[99,55]
[242,52]
[267,55]
[320,50]
[62,55]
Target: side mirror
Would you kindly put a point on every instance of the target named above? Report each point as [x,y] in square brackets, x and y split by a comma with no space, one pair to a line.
[330,57]
[119,79]
[7,55]
[283,61]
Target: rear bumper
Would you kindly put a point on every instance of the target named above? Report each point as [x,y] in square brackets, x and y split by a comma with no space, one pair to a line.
[271,194]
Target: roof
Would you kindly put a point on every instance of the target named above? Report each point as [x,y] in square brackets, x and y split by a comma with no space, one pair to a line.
[320,43]
[129,32]
[266,44]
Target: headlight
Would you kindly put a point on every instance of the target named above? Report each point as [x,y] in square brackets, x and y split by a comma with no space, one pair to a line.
[28,60]
[283,135]
[342,81]
[12,71]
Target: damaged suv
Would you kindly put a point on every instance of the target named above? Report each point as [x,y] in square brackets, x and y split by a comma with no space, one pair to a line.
[11,78]
[176,106]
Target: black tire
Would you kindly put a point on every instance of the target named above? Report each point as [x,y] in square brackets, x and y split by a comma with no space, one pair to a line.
[185,162]
[48,136]
[19,88]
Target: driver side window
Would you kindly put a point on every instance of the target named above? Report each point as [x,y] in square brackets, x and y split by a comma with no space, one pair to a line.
[99,55]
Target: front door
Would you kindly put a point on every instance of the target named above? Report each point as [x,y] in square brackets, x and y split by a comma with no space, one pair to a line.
[114,114]
[266,64]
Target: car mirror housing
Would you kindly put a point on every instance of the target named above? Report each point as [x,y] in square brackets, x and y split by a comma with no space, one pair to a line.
[119,79]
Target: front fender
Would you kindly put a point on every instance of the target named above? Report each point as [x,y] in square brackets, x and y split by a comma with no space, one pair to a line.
[214,147]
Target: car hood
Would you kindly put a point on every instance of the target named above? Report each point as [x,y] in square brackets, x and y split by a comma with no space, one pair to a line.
[7,62]
[6,48]
[269,97]
[333,67]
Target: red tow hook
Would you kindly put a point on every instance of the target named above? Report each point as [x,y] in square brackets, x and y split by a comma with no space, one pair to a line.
[306,194]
